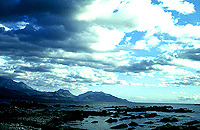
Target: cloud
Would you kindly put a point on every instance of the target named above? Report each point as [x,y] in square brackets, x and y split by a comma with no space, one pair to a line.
[180,6]
[192,54]
[75,44]
[187,80]
[54,74]
[189,98]
[134,15]
[171,64]
[186,32]
[142,66]
[108,39]
[16,11]
[170,47]
[147,43]
[181,34]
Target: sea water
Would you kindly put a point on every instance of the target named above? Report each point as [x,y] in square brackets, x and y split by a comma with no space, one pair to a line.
[102,125]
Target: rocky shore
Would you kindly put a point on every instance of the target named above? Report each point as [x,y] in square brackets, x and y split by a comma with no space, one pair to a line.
[30,115]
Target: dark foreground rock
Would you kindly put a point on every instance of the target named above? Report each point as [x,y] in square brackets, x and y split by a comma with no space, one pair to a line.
[133,124]
[172,127]
[29,115]
[119,126]
[125,109]
[110,120]
[192,122]
[94,121]
[170,119]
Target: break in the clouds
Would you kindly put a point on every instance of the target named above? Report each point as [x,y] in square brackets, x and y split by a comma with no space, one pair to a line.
[101,44]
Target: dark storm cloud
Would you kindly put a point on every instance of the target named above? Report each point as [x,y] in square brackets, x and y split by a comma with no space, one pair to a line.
[192,54]
[36,29]
[35,69]
[50,24]
[147,65]
[30,34]
[142,66]
[15,11]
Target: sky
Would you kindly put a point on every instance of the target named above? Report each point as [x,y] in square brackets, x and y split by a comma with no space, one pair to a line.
[141,50]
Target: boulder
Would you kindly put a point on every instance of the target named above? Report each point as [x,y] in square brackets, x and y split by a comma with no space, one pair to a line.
[110,120]
[133,124]
[94,122]
[119,126]
[165,119]
[192,122]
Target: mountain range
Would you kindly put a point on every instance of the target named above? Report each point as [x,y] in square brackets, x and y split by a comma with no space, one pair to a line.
[11,90]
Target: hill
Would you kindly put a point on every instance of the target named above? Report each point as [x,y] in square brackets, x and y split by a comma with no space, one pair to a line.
[10,89]
[99,97]
[7,93]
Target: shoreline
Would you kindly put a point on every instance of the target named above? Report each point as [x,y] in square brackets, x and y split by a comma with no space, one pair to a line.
[31,115]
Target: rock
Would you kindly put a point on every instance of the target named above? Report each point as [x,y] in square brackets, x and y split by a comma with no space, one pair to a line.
[139,116]
[150,115]
[133,124]
[171,127]
[164,127]
[74,106]
[26,104]
[94,122]
[110,120]
[149,122]
[124,118]
[133,117]
[104,113]
[154,108]
[183,110]
[87,106]
[57,105]
[115,115]
[192,122]
[75,115]
[165,119]
[119,126]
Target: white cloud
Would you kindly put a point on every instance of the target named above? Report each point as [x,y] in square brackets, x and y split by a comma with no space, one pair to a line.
[6,28]
[170,47]
[153,41]
[140,45]
[136,15]
[20,25]
[187,31]
[122,82]
[186,63]
[128,39]
[189,80]
[184,34]
[181,6]
[146,84]
[171,70]
[99,8]
[95,60]
[147,44]
[62,76]
[195,97]
[107,39]
[2,60]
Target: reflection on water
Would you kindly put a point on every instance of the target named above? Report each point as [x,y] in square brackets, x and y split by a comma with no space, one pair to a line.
[98,122]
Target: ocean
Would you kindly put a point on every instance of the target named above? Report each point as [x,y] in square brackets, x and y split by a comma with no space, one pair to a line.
[143,123]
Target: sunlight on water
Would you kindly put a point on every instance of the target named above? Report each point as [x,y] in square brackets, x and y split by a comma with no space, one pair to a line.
[98,122]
